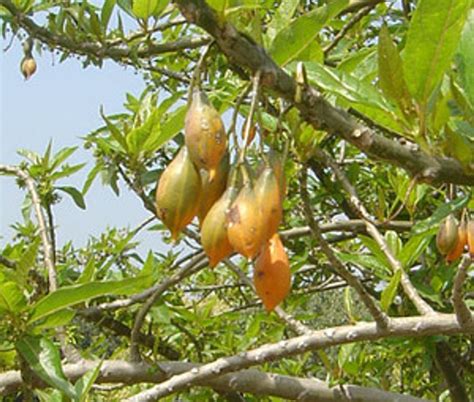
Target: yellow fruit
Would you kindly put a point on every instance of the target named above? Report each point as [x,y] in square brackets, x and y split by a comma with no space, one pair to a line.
[272,276]
[178,193]
[28,67]
[447,236]
[205,135]
[267,192]
[244,223]
[212,189]
[214,237]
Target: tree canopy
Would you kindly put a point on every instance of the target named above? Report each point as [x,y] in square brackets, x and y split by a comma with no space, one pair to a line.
[308,166]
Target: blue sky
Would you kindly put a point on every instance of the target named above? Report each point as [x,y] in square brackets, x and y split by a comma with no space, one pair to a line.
[61,103]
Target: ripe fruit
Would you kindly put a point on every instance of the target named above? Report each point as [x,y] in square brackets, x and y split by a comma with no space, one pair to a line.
[447,236]
[205,136]
[212,189]
[267,192]
[28,67]
[178,193]
[458,249]
[214,238]
[244,223]
[470,238]
[272,277]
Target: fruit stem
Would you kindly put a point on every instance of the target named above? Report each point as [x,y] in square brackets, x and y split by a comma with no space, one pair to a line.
[233,124]
[196,78]
[253,107]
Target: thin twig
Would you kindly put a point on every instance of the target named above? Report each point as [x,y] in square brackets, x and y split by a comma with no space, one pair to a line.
[422,306]
[195,264]
[379,316]
[45,240]
[340,35]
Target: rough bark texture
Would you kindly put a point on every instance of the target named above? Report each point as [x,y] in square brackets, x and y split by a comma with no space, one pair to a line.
[245,53]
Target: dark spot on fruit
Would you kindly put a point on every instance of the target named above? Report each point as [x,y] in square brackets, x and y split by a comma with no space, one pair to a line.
[234,215]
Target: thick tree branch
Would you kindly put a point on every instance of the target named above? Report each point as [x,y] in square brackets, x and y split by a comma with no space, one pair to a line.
[439,324]
[242,51]
[445,365]
[249,381]
[114,50]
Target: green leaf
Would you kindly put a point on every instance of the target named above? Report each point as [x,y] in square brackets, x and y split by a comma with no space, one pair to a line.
[391,78]
[361,96]
[85,383]
[61,156]
[301,33]
[90,178]
[115,132]
[460,143]
[58,319]
[441,212]
[75,194]
[88,273]
[171,126]
[415,247]
[432,39]
[12,298]
[465,58]
[27,261]
[71,295]
[390,291]
[283,15]
[44,359]
[106,12]
[145,136]
[146,8]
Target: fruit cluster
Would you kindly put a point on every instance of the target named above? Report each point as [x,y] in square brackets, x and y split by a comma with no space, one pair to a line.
[453,238]
[237,210]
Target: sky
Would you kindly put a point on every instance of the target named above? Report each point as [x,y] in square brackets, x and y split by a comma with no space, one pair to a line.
[61,103]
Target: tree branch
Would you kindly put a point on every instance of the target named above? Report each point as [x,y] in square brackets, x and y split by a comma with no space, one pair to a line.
[98,49]
[463,313]
[418,326]
[250,381]
[379,316]
[316,110]
[422,306]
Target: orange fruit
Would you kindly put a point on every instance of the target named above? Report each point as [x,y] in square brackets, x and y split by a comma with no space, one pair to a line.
[272,276]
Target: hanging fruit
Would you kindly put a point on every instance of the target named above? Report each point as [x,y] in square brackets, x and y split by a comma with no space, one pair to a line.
[205,135]
[178,193]
[461,242]
[28,67]
[212,189]
[244,223]
[214,237]
[447,236]
[272,276]
[267,192]
[470,237]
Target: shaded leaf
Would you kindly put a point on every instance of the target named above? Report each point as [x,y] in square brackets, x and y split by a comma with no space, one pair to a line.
[44,359]
[390,291]
[75,194]
[432,39]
